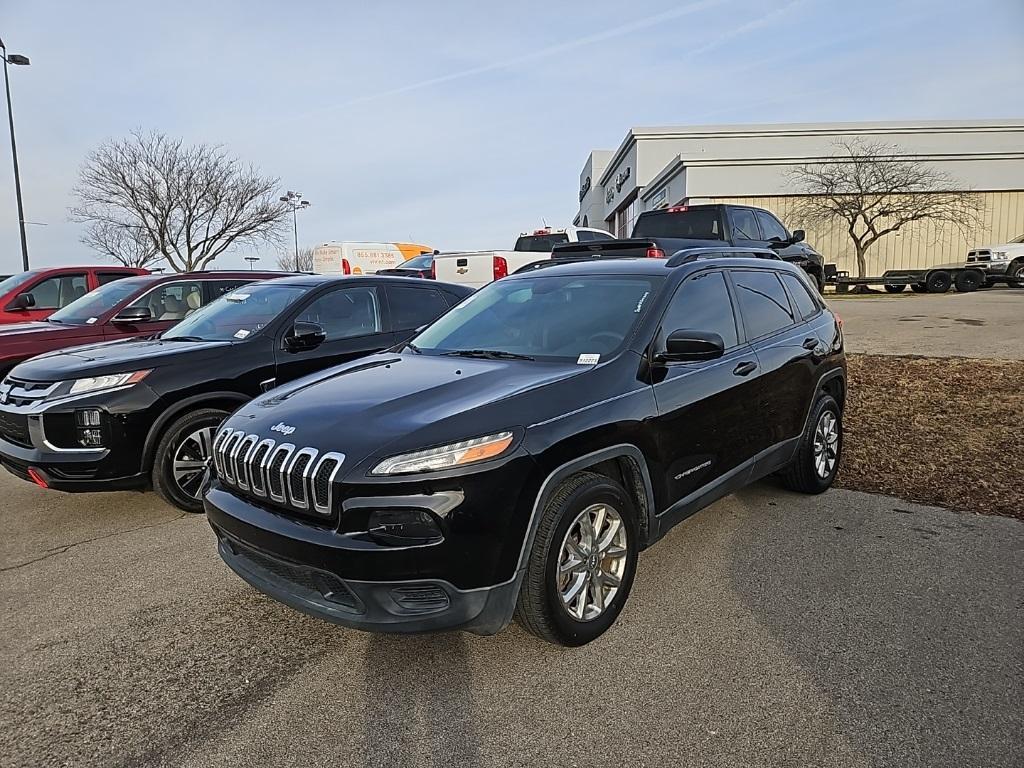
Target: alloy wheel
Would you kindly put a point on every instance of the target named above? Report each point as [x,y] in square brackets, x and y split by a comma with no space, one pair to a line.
[192,460]
[826,444]
[592,561]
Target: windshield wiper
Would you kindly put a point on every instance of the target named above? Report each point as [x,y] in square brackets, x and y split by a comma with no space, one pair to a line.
[182,338]
[488,354]
[413,347]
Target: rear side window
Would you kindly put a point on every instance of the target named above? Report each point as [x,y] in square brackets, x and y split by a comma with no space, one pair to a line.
[744,225]
[763,302]
[800,291]
[413,307]
[771,229]
[702,303]
[108,277]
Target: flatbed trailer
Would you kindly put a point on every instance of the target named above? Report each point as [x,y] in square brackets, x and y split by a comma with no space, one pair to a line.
[932,280]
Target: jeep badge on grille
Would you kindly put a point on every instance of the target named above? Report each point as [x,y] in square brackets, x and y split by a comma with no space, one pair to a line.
[284,429]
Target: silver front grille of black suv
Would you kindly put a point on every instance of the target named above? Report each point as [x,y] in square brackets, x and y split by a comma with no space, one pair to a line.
[296,477]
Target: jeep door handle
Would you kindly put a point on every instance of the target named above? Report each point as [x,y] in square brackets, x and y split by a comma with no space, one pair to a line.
[745,368]
[810,343]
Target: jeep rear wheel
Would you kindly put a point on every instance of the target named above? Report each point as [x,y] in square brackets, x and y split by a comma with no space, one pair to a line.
[181,465]
[814,467]
[583,561]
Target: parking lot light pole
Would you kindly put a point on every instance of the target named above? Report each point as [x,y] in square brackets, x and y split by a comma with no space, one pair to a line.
[252,260]
[16,59]
[296,203]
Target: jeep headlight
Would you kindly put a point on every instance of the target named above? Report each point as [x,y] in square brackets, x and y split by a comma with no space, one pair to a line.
[108,381]
[446,456]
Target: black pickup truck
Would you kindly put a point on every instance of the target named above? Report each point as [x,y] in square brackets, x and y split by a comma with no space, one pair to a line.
[659,234]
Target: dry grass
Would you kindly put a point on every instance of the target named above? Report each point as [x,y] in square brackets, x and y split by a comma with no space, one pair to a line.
[943,431]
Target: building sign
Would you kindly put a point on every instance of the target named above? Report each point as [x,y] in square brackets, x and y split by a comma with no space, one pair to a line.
[659,199]
[616,186]
[584,188]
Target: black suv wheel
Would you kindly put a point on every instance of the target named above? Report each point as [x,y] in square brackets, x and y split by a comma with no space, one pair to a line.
[180,465]
[583,561]
[817,459]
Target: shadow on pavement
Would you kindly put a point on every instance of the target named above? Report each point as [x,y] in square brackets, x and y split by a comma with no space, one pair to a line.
[419,705]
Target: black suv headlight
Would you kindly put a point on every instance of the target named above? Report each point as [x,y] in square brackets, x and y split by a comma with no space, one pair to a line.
[446,456]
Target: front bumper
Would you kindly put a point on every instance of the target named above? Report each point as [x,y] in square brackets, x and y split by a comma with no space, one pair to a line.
[383,606]
[339,570]
[35,436]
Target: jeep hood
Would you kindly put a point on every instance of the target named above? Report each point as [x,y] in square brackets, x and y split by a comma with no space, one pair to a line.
[391,403]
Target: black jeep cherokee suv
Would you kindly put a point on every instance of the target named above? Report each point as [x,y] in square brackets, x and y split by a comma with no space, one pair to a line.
[144,412]
[518,454]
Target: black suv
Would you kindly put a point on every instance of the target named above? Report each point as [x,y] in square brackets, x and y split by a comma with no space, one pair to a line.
[143,412]
[517,455]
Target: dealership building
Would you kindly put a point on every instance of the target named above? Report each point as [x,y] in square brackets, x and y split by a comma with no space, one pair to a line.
[751,164]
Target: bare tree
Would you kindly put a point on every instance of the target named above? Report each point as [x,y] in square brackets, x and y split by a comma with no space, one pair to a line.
[286,260]
[192,203]
[874,189]
[130,246]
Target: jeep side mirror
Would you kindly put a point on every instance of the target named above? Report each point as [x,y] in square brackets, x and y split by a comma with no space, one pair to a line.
[304,336]
[798,236]
[686,345]
[132,315]
[21,302]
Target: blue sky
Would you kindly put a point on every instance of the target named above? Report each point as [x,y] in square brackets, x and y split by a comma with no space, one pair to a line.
[458,124]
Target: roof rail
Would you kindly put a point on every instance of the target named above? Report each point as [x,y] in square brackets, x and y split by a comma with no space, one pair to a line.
[686,255]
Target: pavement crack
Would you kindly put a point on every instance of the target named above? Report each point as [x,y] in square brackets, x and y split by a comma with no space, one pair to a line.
[54,551]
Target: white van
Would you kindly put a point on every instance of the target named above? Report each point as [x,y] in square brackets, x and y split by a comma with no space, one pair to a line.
[336,258]
[477,268]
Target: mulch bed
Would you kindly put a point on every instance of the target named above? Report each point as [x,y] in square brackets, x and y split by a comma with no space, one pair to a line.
[942,431]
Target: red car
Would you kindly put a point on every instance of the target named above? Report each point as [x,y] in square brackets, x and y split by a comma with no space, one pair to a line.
[134,306]
[38,294]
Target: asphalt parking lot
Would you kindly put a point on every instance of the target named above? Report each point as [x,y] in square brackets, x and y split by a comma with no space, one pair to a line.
[770,629]
[986,323]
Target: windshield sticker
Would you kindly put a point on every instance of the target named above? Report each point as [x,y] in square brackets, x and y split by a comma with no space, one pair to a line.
[241,333]
[90,321]
[588,359]
[640,303]
[238,297]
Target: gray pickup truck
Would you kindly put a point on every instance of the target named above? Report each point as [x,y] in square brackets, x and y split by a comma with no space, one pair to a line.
[661,233]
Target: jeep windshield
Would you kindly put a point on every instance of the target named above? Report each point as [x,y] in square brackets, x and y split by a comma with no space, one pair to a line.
[237,315]
[578,318]
[692,224]
[88,309]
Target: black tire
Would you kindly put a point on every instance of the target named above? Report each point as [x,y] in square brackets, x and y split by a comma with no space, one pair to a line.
[918,288]
[802,474]
[938,281]
[540,609]
[968,280]
[1016,270]
[164,482]
[890,288]
[818,278]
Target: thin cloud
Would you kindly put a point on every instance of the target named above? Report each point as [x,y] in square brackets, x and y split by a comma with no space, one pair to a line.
[759,23]
[542,53]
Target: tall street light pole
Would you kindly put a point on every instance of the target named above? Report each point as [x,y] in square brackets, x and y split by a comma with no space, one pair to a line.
[294,201]
[16,59]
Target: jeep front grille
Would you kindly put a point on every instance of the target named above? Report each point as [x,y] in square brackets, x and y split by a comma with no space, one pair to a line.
[300,478]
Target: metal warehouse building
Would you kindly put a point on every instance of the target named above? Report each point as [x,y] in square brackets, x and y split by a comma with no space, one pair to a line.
[750,164]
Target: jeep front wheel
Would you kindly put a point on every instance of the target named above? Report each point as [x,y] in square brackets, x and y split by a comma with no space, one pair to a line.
[583,561]
[182,461]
